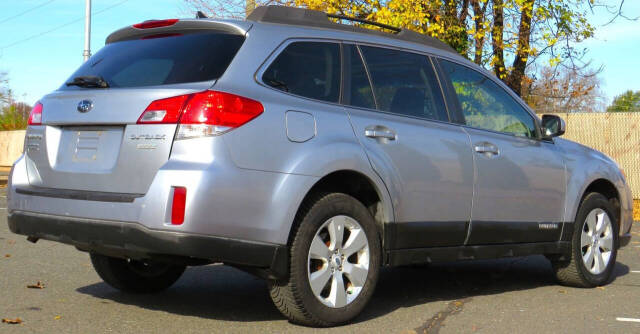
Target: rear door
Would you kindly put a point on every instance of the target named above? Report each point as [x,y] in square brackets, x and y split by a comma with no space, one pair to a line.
[401,120]
[520,186]
[100,147]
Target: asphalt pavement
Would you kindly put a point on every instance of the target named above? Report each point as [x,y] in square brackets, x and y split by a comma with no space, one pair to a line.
[516,295]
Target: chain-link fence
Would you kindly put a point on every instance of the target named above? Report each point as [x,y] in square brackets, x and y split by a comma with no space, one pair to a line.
[615,134]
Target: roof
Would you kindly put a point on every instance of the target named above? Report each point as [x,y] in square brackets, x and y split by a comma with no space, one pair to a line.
[318,19]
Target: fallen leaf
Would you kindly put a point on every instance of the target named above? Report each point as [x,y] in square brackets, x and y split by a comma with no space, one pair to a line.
[57,317]
[601,287]
[562,291]
[7,255]
[12,321]
[38,285]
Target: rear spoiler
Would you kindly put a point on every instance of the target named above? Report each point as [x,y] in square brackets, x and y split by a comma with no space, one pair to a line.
[181,27]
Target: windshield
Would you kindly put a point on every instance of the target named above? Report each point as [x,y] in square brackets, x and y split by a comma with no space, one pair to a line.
[161,60]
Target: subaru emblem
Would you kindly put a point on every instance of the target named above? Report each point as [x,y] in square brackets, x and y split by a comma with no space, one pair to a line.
[85,106]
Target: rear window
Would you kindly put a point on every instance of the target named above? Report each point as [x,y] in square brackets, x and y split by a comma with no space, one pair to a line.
[309,69]
[163,60]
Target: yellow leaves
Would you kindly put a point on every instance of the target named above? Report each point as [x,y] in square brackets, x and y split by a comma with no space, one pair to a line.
[15,321]
[553,62]
[38,285]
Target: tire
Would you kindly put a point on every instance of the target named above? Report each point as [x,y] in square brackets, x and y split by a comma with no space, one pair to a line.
[329,306]
[136,276]
[575,271]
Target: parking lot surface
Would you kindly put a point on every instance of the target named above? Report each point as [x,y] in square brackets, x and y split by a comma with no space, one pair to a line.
[497,296]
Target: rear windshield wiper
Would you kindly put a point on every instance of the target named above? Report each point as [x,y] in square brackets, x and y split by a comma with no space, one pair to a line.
[88,81]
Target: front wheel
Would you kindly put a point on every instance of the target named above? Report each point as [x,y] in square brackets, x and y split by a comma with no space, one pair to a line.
[335,258]
[136,276]
[594,245]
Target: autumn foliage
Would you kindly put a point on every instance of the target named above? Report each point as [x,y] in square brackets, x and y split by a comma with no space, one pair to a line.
[506,36]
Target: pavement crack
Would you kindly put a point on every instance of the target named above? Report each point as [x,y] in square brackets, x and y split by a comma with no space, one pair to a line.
[433,325]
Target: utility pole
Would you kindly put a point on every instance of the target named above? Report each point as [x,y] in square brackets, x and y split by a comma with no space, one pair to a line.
[87,30]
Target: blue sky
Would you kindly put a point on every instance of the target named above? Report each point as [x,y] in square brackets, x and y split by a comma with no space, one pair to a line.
[39,65]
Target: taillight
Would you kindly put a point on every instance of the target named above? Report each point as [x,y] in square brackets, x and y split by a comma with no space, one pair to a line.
[207,113]
[155,24]
[165,111]
[222,109]
[178,204]
[35,116]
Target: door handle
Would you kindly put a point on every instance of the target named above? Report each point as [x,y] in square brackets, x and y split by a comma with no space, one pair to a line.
[379,132]
[486,149]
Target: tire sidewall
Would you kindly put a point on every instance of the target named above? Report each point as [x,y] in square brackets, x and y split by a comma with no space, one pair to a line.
[119,274]
[590,202]
[338,204]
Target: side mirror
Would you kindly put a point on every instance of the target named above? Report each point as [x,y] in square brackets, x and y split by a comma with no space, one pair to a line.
[553,126]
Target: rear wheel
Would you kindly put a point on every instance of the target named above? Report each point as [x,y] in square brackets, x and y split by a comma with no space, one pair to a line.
[136,276]
[594,245]
[335,259]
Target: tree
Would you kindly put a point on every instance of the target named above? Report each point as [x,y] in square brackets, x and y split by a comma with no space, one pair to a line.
[521,32]
[14,116]
[236,9]
[564,90]
[629,101]
[5,92]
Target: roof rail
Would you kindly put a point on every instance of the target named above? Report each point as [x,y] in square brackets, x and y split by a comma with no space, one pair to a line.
[314,18]
[349,18]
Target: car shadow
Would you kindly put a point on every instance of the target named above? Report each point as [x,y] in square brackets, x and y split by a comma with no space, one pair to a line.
[225,293]
[409,286]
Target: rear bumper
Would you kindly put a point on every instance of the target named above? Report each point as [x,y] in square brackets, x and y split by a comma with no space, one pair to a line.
[132,240]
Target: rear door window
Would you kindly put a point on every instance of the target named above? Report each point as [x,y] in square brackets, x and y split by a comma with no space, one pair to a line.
[404,83]
[164,60]
[309,69]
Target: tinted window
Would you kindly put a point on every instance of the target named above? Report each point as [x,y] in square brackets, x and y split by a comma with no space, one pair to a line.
[404,83]
[162,61]
[309,69]
[486,105]
[359,88]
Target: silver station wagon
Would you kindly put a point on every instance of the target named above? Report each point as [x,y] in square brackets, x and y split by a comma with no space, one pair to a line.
[310,153]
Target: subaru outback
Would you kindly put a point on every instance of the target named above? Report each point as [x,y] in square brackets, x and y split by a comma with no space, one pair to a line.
[310,153]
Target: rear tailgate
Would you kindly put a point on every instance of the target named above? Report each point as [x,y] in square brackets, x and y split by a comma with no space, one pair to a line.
[103,149]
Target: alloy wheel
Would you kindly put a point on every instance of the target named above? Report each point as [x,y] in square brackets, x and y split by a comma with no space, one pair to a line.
[338,261]
[596,241]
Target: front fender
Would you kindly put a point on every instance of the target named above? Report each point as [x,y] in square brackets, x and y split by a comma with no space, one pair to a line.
[585,166]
